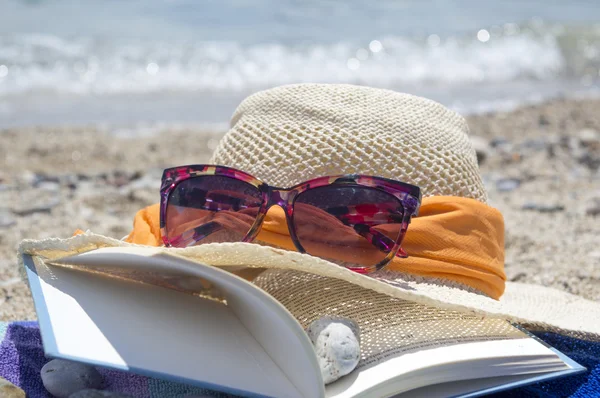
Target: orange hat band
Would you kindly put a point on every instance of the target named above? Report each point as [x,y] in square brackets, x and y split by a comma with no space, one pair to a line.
[453,238]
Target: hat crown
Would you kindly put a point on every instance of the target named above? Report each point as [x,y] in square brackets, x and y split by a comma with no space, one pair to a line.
[291,134]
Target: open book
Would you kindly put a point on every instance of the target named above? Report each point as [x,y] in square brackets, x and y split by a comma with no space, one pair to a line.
[159,314]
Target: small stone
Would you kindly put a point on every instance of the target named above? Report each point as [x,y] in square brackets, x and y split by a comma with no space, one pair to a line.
[41,178]
[120,178]
[9,390]
[28,177]
[141,189]
[35,201]
[6,219]
[518,277]
[590,160]
[146,182]
[62,378]
[337,345]
[90,393]
[48,186]
[593,209]
[589,138]
[543,208]
[507,184]
[482,148]
[569,142]
[69,180]
[45,207]
[499,142]
[535,145]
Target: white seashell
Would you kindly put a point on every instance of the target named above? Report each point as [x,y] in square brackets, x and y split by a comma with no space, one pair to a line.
[337,345]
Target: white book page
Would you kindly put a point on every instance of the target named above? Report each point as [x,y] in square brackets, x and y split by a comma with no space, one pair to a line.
[463,361]
[462,387]
[154,330]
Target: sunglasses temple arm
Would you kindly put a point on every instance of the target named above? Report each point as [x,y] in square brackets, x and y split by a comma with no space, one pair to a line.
[406,218]
[379,240]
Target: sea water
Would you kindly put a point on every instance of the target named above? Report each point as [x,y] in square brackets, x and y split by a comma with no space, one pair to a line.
[144,62]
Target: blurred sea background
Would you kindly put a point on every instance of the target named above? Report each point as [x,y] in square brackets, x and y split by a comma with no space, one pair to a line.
[142,63]
[97,97]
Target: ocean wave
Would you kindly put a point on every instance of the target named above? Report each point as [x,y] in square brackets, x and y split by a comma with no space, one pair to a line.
[93,66]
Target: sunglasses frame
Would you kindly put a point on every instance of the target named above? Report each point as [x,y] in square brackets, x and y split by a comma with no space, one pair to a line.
[408,195]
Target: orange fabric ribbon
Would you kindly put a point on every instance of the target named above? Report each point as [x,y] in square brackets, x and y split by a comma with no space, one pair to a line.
[453,238]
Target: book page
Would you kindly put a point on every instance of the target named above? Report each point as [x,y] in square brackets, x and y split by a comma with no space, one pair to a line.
[400,337]
[448,363]
[274,333]
[149,330]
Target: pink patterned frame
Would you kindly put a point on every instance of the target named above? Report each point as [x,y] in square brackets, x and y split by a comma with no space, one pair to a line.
[408,195]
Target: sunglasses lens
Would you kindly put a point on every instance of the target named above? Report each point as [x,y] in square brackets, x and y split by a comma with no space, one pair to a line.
[208,209]
[353,226]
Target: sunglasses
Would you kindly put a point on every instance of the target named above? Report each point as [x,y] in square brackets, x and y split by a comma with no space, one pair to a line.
[353,220]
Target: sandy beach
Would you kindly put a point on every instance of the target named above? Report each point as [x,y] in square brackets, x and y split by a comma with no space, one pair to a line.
[540,165]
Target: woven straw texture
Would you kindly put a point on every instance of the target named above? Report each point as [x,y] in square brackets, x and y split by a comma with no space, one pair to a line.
[291,134]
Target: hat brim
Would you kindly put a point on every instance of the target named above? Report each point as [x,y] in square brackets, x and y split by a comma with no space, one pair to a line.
[543,307]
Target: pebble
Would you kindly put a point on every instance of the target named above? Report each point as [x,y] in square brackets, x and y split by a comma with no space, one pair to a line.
[535,145]
[142,189]
[542,208]
[482,148]
[589,138]
[26,209]
[121,178]
[337,345]
[36,200]
[69,180]
[91,393]
[507,184]
[593,209]
[569,142]
[63,378]
[42,178]
[6,219]
[543,120]
[9,390]
[499,142]
[28,177]
[518,277]
[146,182]
[590,160]
[49,186]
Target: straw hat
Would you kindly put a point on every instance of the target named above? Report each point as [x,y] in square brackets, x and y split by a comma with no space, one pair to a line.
[290,134]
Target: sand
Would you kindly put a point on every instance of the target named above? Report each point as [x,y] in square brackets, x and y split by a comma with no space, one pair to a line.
[540,165]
